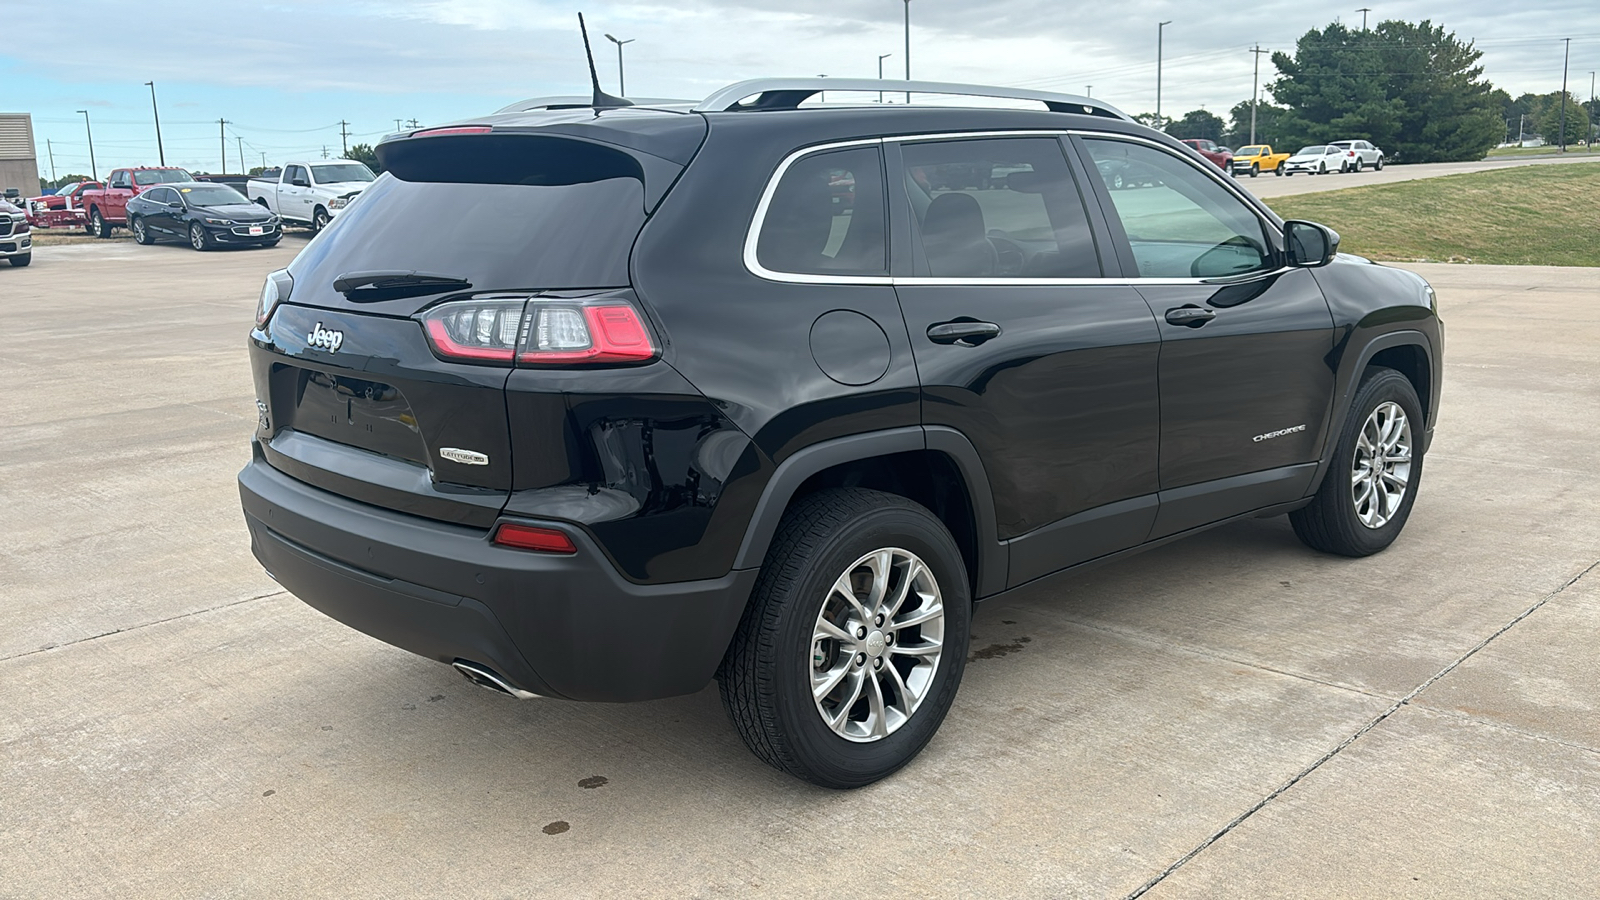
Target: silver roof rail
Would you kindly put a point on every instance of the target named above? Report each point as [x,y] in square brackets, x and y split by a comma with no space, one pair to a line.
[789,93]
[583,102]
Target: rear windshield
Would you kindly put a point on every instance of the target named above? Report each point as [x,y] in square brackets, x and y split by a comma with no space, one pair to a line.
[161,176]
[496,236]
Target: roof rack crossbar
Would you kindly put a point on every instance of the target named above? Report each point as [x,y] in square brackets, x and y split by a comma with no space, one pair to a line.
[789,93]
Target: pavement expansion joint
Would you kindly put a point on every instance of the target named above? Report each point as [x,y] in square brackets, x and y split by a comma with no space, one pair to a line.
[1316,764]
[141,626]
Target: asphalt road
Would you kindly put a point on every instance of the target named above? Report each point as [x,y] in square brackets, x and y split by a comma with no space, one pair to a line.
[1229,716]
[1278,186]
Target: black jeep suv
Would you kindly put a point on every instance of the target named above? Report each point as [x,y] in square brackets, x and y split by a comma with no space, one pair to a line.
[601,403]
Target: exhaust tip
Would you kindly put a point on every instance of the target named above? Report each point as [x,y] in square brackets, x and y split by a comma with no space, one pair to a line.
[483,676]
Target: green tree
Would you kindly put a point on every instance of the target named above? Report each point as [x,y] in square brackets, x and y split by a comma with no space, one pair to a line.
[1550,119]
[1269,125]
[1151,120]
[1197,124]
[1412,89]
[363,153]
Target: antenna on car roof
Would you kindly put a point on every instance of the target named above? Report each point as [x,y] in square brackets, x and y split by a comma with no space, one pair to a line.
[602,100]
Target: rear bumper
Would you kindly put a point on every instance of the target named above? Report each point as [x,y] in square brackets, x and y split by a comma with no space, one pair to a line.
[558,626]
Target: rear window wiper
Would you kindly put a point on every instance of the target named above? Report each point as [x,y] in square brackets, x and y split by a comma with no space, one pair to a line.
[389,284]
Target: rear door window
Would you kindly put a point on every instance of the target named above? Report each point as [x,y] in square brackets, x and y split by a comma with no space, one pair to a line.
[826,216]
[998,208]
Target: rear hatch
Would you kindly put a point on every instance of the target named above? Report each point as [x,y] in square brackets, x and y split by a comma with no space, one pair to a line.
[383,372]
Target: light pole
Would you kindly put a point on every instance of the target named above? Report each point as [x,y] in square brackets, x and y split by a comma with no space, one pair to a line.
[1255,91]
[1160,28]
[157,113]
[881,58]
[1564,57]
[622,83]
[93,172]
[908,47]
[1088,90]
[1364,10]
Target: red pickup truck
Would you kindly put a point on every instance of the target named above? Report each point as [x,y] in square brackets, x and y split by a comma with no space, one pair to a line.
[61,208]
[1222,156]
[107,208]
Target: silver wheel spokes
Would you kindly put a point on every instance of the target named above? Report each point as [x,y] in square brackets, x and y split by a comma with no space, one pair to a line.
[877,644]
[1381,469]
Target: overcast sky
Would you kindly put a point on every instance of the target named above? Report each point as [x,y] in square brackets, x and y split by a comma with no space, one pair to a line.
[286,74]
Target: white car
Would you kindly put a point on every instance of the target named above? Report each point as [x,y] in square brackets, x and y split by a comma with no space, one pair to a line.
[1317,159]
[1360,155]
[311,193]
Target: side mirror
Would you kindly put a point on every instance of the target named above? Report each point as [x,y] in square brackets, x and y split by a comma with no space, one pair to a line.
[300,182]
[1309,245]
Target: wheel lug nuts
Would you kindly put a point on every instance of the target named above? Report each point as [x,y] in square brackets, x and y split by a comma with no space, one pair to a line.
[877,663]
[888,639]
[878,621]
[861,633]
[861,659]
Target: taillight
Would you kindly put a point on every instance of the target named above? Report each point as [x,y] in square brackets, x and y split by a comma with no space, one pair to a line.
[539,332]
[275,291]
[454,129]
[529,537]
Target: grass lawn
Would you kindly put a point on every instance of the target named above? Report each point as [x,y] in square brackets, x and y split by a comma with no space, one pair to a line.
[1547,150]
[1524,216]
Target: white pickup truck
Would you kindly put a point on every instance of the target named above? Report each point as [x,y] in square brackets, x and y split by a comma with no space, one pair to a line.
[311,193]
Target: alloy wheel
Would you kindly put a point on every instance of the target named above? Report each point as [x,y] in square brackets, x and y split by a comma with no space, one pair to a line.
[197,237]
[1381,469]
[877,644]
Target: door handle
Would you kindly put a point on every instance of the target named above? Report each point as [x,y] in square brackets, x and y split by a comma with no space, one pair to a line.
[1192,316]
[967,332]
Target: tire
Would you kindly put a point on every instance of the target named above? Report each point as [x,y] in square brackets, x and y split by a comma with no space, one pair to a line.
[320,220]
[1278,170]
[1378,166]
[22,259]
[88,226]
[767,677]
[198,239]
[1322,169]
[140,233]
[1255,169]
[98,226]
[1335,522]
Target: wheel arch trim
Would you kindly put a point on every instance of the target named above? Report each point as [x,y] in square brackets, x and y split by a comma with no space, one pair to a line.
[793,472]
[1347,391]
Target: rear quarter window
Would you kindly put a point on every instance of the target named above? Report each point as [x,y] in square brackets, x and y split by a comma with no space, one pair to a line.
[826,216]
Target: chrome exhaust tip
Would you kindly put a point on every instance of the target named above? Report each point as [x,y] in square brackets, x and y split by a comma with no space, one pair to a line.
[483,676]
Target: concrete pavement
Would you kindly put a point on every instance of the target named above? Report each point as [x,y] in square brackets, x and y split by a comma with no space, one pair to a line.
[1268,185]
[1232,715]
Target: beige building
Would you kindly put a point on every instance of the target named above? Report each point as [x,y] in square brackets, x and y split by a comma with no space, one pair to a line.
[19,162]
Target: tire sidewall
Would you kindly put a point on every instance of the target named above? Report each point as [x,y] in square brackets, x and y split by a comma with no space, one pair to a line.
[1385,385]
[837,761]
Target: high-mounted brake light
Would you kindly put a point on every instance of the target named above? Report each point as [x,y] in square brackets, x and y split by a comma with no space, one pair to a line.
[454,129]
[528,537]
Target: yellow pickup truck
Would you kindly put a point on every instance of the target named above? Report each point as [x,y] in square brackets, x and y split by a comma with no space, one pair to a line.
[1258,158]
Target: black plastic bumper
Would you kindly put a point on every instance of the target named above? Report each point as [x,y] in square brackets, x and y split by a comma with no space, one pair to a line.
[558,626]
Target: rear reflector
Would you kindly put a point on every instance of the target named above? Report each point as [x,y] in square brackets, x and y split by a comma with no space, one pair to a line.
[527,537]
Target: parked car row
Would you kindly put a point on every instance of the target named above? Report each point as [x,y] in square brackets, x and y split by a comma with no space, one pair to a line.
[1317,159]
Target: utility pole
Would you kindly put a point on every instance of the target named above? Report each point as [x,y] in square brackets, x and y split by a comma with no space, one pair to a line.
[1565,56]
[52,151]
[1160,27]
[242,164]
[222,139]
[344,134]
[622,81]
[413,123]
[397,126]
[908,47]
[1592,110]
[1088,90]
[324,151]
[881,58]
[1255,91]
[93,172]
[1364,10]
[263,159]
[160,151]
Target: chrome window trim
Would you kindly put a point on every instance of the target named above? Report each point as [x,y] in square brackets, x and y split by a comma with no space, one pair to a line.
[753,234]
